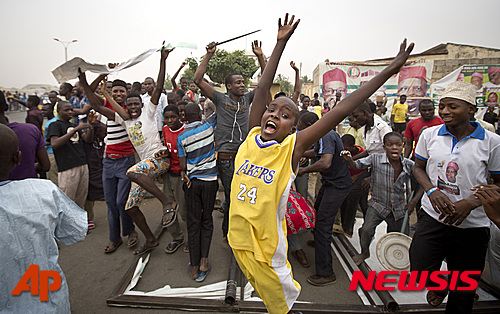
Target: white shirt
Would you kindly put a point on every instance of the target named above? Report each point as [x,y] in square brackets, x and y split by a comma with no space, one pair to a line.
[374,138]
[142,132]
[34,213]
[162,103]
[474,155]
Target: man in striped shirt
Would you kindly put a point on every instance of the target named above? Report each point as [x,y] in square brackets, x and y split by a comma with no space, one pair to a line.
[196,153]
[119,157]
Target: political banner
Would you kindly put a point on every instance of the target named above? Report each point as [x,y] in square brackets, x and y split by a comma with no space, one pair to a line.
[339,79]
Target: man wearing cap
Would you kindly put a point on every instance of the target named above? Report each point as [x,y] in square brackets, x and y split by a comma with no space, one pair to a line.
[453,224]
[412,82]
[476,79]
[334,81]
[494,78]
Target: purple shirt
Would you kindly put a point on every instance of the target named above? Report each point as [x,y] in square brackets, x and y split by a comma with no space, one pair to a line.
[30,141]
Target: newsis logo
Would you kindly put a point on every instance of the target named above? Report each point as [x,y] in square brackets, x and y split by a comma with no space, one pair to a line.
[39,280]
[401,281]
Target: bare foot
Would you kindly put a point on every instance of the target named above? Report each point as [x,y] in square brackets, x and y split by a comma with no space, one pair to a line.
[204,264]
[194,271]
[360,258]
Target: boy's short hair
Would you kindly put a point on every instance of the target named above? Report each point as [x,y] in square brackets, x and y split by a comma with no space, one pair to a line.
[35,100]
[118,82]
[192,111]
[425,102]
[229,78]
[149,78]
[373,107]
[305,96]
[172,108]
[363,107]
[180,93]
[131,95]
[67,86]
[183,79]
[182,103]
[392,134]
[308,118]
[348,140]
[315,102]
[61,104]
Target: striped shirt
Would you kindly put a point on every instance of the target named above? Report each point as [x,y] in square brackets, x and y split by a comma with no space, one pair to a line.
[117,141]
[197,144]
[387,196]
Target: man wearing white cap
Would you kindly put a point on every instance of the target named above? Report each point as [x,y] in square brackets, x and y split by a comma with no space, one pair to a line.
[493,77]
[453,224]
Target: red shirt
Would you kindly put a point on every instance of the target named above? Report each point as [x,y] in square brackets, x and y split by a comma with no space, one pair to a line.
[188,93]
[170,141]
[415,126]
[356,171]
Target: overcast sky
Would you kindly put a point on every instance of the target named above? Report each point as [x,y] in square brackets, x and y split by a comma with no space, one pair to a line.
[115,30]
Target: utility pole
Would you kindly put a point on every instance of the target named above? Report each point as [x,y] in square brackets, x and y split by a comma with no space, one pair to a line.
[65,44]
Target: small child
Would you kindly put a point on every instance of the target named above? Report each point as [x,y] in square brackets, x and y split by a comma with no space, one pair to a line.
[172,181]
[66,141]
[196,153]
[265,168]
[390,181]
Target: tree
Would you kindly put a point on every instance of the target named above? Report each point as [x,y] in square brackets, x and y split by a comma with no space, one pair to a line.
[285,85]
[305,79]
[167,84]
[223,63]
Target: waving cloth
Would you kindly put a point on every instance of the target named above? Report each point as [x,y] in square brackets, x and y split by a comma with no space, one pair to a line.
[69,70]
[300,214]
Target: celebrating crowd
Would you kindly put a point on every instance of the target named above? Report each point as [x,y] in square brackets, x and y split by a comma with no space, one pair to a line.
[113,140]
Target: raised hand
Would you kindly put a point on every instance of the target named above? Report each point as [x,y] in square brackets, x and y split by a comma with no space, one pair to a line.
[165,52]
[103,85]
[183,64]
[211,47]
[92,117]
[346,154]
[401,57]
[257,48]
[286,30]
[292,64]
[112,65]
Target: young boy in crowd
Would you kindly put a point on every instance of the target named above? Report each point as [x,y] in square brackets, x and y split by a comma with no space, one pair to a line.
[265,168]
[358,195]
[66,139]
[196,153]
[33,215]
[143,133]
[172,181]
[390,181]
[33,115]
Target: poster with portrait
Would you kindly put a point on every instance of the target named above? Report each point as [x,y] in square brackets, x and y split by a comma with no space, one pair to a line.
[339,79]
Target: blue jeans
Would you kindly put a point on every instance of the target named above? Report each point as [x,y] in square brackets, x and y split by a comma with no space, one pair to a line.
[372,220]
[116,187]
[225,168]
[327,205]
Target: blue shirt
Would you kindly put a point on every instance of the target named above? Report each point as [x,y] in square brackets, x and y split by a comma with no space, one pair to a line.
[46,129]
[34,213]
[197,144]
[79,103]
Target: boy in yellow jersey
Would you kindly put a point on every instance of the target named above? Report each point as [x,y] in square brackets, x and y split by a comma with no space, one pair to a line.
[399,115]
[265,167]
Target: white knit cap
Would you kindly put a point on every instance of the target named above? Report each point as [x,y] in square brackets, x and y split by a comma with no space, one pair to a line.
[461,90]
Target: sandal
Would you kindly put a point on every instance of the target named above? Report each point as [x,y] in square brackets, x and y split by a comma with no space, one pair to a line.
[173,246]
[132,238]
[91,225]
[143,249]
[112,246]
[203,274]
[433,299]
[186,249]
[166,222]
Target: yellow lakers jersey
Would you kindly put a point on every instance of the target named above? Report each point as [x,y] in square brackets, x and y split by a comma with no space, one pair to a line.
[261,183]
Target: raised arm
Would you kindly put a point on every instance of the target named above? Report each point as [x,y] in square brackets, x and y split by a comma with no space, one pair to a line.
[205,88]
[94,100]
[296,89]
[257,50]
[312,134]
[93,86]
[155,96]
[262,91]
[116,107]
[174,84]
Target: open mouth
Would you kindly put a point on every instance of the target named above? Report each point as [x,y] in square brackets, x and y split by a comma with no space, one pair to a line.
[270,127]
[447,119]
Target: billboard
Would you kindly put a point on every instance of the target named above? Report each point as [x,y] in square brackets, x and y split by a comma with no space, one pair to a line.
[339,79]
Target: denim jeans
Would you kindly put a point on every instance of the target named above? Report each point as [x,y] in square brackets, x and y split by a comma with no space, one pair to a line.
[116,187]
[225,168]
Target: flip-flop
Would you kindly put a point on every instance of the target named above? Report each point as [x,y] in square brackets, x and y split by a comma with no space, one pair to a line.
[112,246]
[203,274]
[91,225]
[143,249]
[433,299]
[167,223]
[186,249]
[173,246]
[132,239]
